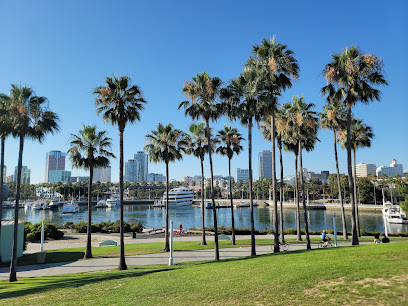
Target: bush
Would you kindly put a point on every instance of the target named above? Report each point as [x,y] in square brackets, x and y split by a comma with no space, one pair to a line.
[33,231]
[81,227]
[30,237]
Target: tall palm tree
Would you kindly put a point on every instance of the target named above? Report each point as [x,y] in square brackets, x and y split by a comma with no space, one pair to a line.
[279,68]
[30,118]
[166,144]
[198,147]
[202,93]
[120,103]
[353,73]
[231,143]
[334,119]
[90,149]
[5,130]
[243,102]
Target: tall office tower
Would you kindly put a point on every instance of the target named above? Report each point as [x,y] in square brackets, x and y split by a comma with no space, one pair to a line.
[364,169]
[242,175]
[102,175]
[55,160]
[265,164]
[142,158]
[25,175]
[132,170]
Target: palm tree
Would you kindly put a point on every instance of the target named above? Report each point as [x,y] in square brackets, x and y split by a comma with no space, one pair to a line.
[89,150]
[5,130]
[242,101]
[30,118]
[202,93]
[352,73]
[279,67]
[334,119]
[120,103]
[198,147]
[166,144]
[231,139]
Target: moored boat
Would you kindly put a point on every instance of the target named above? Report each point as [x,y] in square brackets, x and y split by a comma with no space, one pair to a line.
[70,208]
[393,214]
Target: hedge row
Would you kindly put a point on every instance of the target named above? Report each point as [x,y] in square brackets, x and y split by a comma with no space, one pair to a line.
[106,227]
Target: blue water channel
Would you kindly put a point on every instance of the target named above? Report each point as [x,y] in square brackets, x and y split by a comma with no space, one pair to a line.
[190,216]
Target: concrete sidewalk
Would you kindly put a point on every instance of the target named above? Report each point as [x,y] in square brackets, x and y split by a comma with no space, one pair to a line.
[139,260]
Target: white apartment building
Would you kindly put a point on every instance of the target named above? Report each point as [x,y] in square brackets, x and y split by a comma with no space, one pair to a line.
[390,171]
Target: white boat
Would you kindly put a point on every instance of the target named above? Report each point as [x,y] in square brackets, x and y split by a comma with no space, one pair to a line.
[112,203]
[53,205]
[70,208]
[101,204]
[393,214]
[37,206]
[180,196]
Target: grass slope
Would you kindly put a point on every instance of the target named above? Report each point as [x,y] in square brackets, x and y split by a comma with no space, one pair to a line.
[370,274]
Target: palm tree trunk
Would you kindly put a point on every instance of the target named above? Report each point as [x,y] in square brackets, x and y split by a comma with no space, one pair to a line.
[166,234]
[304,200]
[1,185]
[354,233]
[217,252]
[204,242]
[299,234]
[355,193]
[232,203]
[281,191]
[343,215]
[13,265]
[122,263]
[275,203]
[88,252]
[253,251]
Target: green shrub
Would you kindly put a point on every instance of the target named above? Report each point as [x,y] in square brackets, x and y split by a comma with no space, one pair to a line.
[30,237]
[81,227]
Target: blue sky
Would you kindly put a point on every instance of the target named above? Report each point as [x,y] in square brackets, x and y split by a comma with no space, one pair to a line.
[64,49]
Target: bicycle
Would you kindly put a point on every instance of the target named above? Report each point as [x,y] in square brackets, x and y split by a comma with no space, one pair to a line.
[323,245]
[283,247]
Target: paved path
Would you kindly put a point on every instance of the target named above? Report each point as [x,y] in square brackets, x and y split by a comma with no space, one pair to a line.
[138,260]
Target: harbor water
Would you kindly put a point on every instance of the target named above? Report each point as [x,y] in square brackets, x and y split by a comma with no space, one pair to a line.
[190,217]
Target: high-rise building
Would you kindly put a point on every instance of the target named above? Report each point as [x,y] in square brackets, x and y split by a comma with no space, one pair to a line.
[265,164]
[59,176]
[77,179]
[10,178]
[390,171]
[25,175]
[55,160]
[102,175]
[156,177]
[132,170]
[242,175]
[363,169]
[142,158]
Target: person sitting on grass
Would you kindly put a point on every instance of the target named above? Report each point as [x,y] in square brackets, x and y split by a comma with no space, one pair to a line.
[377,238]
[385,239]
[325,238]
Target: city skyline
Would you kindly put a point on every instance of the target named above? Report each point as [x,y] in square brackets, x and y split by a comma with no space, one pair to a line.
[42,67]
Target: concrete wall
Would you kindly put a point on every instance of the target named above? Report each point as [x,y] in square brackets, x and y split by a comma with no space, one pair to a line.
[7,229]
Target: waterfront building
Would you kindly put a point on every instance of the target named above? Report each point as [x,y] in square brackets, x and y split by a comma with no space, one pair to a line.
[363,169]
[156,177]
[25,175]
[102,175]
[142,158]
[265,164]
[132,170]
[77,179]
[54,160]
[390,171]
[59,176]
[242,175]
[323,175]
[47,193]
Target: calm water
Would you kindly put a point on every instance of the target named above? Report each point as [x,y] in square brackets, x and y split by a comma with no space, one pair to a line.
[190,216]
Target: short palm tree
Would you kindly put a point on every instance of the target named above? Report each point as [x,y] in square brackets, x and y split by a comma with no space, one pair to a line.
[243,102]
[90,149]
[231,143]
[30,118]
[279,67]
[334,118]
[120,103]
[352,74]
[5,130]
[202,93]
[166,144]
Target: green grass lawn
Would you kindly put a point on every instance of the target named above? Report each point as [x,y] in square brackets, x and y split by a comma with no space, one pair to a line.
[73,254]
[368,275]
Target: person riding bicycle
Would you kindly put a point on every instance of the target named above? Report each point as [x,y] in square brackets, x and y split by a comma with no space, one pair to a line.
[325,238]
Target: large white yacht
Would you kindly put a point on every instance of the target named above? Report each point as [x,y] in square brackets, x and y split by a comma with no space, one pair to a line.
[393,213]
[180,196]
[70,208]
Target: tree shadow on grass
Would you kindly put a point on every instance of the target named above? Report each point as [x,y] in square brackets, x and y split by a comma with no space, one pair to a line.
[44,284]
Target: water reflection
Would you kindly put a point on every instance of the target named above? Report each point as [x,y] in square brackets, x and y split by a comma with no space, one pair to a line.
[190,216]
